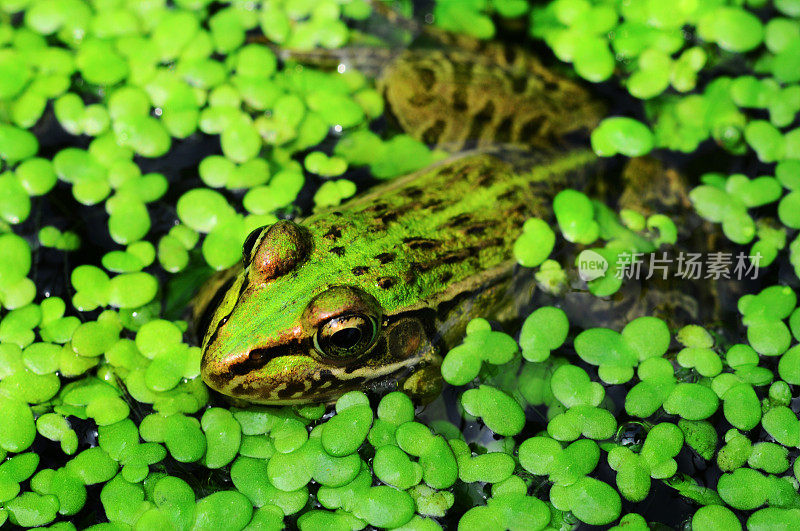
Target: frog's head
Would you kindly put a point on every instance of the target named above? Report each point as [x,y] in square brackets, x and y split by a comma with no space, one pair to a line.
[291,329]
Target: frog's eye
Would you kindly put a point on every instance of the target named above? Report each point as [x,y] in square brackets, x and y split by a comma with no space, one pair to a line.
[346,336]
[249,243]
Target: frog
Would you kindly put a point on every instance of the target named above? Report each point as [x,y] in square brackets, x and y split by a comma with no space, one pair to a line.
[369,295]
[373,292]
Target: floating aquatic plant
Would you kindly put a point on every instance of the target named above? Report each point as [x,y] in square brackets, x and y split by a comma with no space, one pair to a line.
[104,416]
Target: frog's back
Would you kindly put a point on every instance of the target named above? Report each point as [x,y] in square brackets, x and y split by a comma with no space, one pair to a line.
[438,231]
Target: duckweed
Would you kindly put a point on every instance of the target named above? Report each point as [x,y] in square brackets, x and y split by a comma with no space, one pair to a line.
[575,215]
[498,410]
[545,456]
[691,401]
[331,193]
[463,363]
[715,517]
[656,460]
[535,244]
[622,135]
[541,412]
[543,331]
[589,499]
[353,421]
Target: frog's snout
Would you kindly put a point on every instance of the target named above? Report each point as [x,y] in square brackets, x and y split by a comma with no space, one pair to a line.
[246,370]
[218,373]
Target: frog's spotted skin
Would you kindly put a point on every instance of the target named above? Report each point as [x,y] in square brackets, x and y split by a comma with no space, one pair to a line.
[401,256]
[498,95]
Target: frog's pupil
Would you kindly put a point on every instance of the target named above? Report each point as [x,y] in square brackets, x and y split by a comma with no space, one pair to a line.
[346,338]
